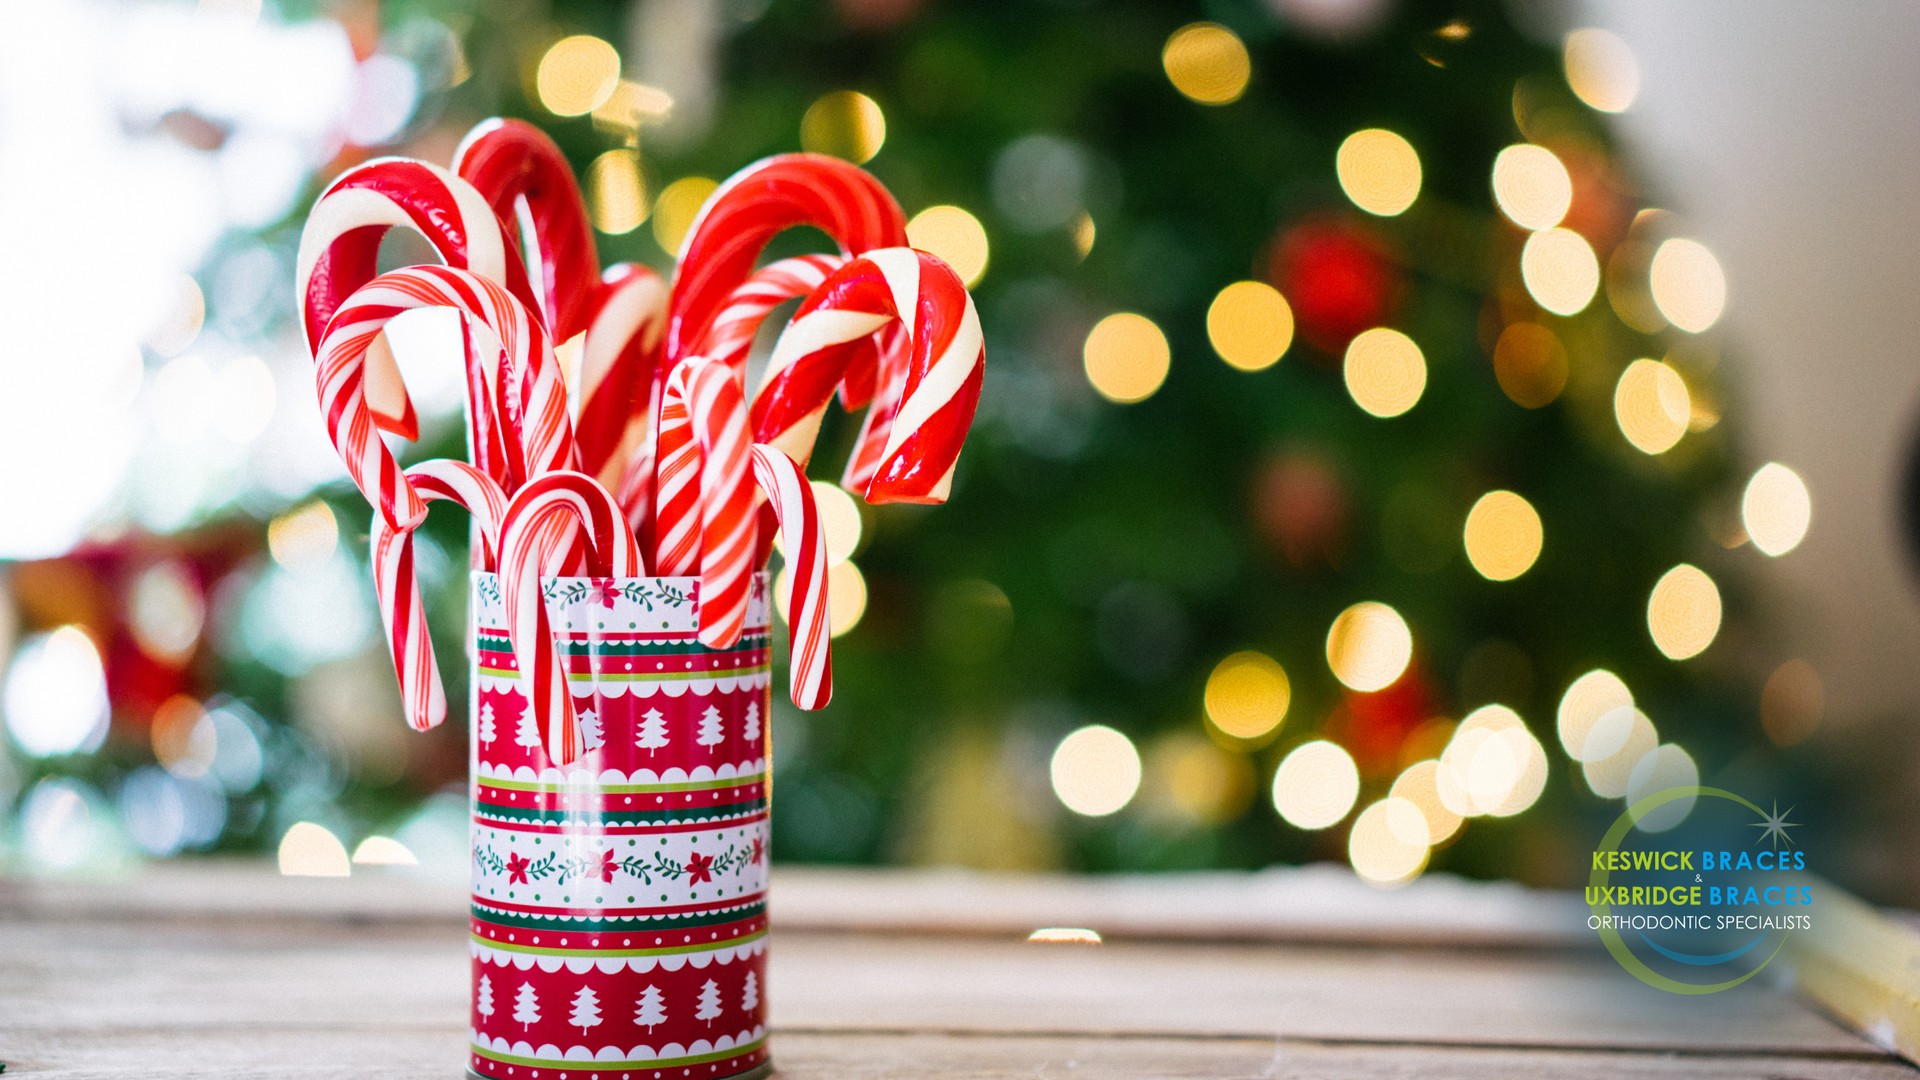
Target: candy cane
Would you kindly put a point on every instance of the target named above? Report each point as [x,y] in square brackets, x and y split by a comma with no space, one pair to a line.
[810,668]
[517,410]
[937,386]
[397,588]
[723,513]
[553,520]
[618,367]
[525,178]
[341,240]
[757,202]
[731,335]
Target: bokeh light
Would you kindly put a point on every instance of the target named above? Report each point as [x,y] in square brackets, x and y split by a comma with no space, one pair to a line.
[1776,509]
[1385,372]
[1590,697]
[185,740]
[304,537]
[1652,405]
[383,851]
[1379,171]
[244,394]
[846,597]
[1492,765]
[1084,232]
[166,612]
[309,850]
[1095,771]
[1662,769]
[1601,70]
[1126,357]
[1503,535]
[577,75]
[1250,325]
[846,124]
[1388,842]
[677,207]
[1615,745]
[1247,695]
[1194,781]
[1418,784]
[1688,285]
[1531,364]
[1207,62]
[616,193]
[56,694]
[1560,270]
[1065,935]
[1316,785]
[1368,646]
[180,322]
[1531,186]
[955,236]
[1792,703]
[1683,613]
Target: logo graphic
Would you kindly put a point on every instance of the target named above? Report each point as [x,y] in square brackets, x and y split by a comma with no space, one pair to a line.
[1673,914]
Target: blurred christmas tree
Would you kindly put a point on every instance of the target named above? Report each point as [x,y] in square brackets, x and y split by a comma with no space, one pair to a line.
[1291,306]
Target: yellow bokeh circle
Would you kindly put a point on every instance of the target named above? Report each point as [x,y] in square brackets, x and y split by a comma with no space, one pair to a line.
[1503,535]
[1250,325]
[1207,62]
[1126,357]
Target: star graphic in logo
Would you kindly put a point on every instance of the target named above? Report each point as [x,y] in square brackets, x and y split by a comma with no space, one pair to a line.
[1776,826]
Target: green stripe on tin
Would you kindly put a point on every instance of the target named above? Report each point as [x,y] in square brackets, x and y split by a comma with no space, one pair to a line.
[603,1066]
[589,954]
[637,924]
[640,676]
[594,787]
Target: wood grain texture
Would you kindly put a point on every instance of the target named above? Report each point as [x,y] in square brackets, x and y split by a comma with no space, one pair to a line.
[329,979]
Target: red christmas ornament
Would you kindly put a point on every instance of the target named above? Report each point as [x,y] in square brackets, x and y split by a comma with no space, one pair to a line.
[1373,726]
[1339,278]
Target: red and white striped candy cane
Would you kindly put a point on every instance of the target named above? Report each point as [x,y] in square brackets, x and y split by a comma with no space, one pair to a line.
[518,409]
[617,376]
[526,179]
[757,202]
[937,383]
[731,336]
[341,240]
[397,587]
[554,520]
[673,531]
[810,668]
[726,506]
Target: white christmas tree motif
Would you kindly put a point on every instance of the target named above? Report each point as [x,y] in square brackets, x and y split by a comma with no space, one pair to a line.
[750,996]
[528,733]
[526,1008]
[586,1010]
[485,1004]
[487,733]
[652,1010]
[653,731]
[709,1003]
[590,730]
[710,732]
[753,722]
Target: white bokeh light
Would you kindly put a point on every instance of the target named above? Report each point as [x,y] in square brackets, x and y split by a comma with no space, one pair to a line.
[56,694]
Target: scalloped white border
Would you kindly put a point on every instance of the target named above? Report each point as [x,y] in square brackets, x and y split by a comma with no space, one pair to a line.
[585,685]
[614,1055]
[614,965]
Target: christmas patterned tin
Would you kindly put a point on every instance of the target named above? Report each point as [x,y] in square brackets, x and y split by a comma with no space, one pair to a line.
[619,925]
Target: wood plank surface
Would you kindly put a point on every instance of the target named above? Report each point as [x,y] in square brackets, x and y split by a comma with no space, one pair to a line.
[328,979]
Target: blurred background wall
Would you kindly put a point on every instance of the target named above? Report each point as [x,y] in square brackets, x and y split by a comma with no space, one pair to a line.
[1786,134]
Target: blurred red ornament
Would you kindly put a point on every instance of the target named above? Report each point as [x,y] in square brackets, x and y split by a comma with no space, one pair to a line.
[1301,505]
[1373,726]
[1339,277]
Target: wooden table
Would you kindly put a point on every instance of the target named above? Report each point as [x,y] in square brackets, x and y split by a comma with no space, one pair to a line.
[227,970]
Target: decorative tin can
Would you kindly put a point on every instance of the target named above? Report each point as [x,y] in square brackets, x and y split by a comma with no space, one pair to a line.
[619,915]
